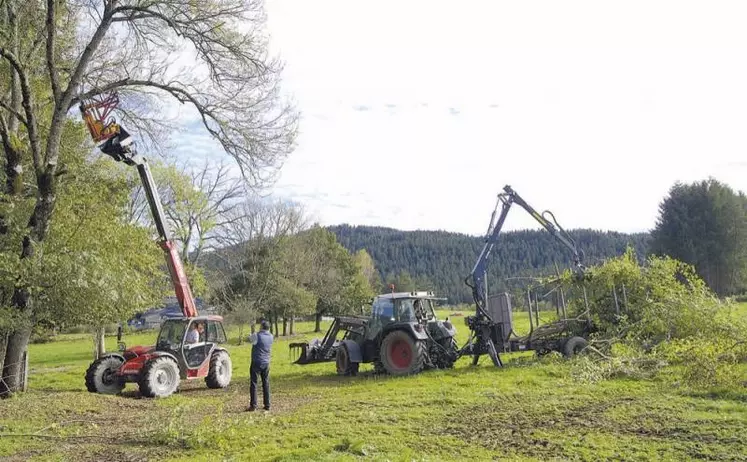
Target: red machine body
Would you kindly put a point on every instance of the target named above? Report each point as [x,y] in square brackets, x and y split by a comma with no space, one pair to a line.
[157,369]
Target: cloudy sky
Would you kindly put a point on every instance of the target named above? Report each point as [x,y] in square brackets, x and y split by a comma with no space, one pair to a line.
[415,114]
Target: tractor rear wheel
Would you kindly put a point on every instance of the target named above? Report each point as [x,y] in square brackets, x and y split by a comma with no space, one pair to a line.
[100,377]
[401,354]
[159,378]
[219,375]
[344,365]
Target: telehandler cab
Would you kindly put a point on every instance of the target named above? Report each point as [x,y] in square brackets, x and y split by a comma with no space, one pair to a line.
[156,369]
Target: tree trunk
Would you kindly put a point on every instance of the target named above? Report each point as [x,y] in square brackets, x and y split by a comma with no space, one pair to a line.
[17,343]
[285,326]
[99,342]
[318,327]
[291,325]
[241,333]
[277,331]
[3,344]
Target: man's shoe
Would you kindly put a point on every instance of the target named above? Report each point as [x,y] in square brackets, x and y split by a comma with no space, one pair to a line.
[251,409]
[267,408]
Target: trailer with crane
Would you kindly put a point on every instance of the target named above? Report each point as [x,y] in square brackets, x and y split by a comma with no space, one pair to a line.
[491,327]
[157,369]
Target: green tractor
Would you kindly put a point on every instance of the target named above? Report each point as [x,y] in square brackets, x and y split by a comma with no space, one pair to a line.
[401,336]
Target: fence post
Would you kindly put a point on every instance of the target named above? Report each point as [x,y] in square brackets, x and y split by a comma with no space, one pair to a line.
[25,373]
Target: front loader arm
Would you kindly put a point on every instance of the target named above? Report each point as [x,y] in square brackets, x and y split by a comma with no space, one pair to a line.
[115,142]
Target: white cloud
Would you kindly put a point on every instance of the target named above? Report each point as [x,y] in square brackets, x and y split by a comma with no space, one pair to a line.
[415,114]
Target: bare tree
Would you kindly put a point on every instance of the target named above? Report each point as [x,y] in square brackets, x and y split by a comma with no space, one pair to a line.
[250,245]
[58,53]
[199,204]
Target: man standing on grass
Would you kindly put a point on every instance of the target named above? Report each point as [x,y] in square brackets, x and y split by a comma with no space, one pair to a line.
[261,348]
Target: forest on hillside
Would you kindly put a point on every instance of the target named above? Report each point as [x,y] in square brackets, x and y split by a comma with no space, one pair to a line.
[441,260]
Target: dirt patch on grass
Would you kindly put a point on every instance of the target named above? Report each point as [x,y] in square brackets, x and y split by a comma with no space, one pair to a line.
[547,427]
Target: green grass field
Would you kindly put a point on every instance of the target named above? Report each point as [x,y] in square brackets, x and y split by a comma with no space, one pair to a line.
[530,410]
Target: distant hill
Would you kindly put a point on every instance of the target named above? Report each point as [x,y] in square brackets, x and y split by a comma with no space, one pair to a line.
[446,258]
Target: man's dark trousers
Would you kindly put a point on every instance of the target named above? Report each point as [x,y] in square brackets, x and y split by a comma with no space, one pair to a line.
[264,372]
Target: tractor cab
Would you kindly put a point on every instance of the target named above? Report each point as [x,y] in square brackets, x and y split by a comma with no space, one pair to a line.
[396,307]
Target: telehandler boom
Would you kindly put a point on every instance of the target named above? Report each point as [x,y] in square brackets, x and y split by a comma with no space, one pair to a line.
[156,369]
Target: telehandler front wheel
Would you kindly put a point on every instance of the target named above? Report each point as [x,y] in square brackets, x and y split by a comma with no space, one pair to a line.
[159,378]
[219,375]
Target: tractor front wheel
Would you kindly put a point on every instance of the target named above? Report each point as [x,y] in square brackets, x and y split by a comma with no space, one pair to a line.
[101,377]
[401,354]
[219,375]
[159,378]
[344,365]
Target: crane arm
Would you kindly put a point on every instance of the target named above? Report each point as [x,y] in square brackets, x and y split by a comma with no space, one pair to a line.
[116,142]
[476,278]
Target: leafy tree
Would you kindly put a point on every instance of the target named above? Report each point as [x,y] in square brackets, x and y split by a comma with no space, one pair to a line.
[98,268]
[57,54]
[242,275]
[705,225]
[368,270]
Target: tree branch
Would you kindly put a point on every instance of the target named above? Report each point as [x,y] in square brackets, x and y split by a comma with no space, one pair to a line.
[13,112]
[50,51]
[26,102]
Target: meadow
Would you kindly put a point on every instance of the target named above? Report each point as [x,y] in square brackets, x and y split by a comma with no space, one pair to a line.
[532,409]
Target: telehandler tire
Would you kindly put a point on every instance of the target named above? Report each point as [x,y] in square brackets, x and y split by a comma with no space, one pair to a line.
[574,346]
[219,374]
[100,376]
[344,365]
[159,378]
[401,354]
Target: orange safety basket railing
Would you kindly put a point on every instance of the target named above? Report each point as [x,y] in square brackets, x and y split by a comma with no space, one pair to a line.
[95,111]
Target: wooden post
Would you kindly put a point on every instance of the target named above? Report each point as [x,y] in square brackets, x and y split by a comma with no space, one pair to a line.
[25,373]
[536,310]
[529,310]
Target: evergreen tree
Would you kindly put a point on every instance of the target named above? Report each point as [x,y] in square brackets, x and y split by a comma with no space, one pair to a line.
[705,224]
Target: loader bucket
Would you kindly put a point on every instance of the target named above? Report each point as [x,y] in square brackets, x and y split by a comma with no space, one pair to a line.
[301,351]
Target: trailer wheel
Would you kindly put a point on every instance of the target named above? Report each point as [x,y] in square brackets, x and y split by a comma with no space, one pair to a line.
[574,346]
[219,374]
[344,365]
[100,376]
[159,378]
[401,354]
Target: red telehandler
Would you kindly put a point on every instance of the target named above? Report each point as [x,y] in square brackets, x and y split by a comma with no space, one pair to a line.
[156,369]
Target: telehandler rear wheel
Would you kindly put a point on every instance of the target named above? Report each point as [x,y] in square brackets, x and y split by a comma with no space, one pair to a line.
[401,354]
[100,376]
[159,378]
